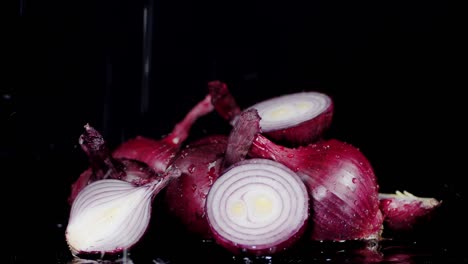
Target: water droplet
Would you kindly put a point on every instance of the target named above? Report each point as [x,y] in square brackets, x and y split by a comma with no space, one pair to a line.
[212,172]
[290,156]
[194,187]
[355,202]
[191,168]
[354,180]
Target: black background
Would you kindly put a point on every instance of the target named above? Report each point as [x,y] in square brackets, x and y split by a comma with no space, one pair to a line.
[395,70]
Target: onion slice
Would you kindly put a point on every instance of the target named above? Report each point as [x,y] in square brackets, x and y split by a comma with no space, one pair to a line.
[403,211]
[257,206]
[109,216]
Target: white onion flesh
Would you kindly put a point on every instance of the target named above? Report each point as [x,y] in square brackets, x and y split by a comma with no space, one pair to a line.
[109,216]
[289,110]
[257,203]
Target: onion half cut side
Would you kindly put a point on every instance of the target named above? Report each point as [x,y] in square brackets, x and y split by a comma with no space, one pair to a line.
[295,119]
[109,216]
[257,207]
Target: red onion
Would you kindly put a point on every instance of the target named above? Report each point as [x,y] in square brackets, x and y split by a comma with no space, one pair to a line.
[291,119]
[200,163]
[159,154]
[403,211]
[109,216]
[257,206]
[342,186]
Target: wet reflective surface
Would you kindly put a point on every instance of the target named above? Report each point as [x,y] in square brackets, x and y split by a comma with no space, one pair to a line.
[165,242]
[387,251]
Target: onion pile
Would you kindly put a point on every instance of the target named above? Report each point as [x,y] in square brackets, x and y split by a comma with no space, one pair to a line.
[271,181]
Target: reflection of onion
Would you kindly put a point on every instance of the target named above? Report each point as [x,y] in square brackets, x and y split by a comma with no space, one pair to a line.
[257,206]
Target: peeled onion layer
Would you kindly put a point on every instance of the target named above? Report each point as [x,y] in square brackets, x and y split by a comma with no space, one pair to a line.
[342,186]
[200,164]
[403,211]
[109,216]
[257,206]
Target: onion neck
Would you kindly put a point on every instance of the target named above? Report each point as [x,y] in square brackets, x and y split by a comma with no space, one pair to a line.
[181,130]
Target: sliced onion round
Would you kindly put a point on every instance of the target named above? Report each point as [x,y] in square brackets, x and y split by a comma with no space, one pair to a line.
[257,206]
[297,118]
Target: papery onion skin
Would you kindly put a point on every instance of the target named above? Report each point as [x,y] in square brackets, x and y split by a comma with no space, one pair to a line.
[404,211]
[109,216]
[200,163]
[241,137]
[341,183]
[159,154]
[223,101]
[104,166]
[269,238]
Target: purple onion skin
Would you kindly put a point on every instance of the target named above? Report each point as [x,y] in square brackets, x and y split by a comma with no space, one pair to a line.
[104,166]
[304,133]
[403,215]
[185,197]
[223,101]
[341,184]
[241,137]
[159,154]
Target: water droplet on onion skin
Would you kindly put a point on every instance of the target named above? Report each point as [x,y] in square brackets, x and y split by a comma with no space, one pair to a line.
[191,168]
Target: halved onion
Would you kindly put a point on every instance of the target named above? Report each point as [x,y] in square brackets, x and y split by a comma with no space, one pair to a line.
[257,206]
[291,119]
[109,216]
